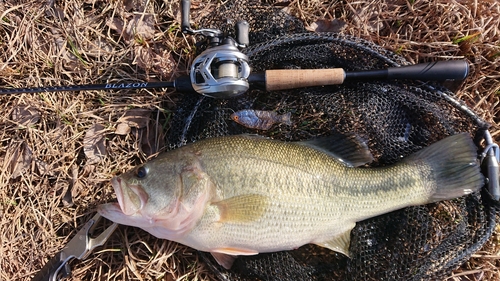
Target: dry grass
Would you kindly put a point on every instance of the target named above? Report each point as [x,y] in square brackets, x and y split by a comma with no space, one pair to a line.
[59,150]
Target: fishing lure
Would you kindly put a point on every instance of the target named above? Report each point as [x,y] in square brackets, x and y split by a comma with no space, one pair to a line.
[260,119]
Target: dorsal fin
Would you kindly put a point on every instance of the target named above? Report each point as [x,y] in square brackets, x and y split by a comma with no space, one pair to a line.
[349,149]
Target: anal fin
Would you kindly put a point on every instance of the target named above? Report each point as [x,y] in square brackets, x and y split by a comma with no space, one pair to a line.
[340,243]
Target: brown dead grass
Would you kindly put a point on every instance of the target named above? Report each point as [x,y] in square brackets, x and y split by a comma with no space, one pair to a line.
[59,150]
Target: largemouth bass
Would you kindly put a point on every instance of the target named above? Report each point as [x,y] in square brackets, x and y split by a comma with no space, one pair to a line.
[244,195]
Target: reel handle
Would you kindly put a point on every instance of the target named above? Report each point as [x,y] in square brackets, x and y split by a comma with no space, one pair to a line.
[242,33]
[185,16]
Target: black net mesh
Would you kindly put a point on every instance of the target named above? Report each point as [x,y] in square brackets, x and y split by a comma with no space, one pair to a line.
[397,118]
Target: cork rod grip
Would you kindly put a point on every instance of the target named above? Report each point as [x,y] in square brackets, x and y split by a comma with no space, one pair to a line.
[282,79]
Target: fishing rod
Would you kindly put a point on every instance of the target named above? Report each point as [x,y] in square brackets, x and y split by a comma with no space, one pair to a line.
[277,79]
[223,71]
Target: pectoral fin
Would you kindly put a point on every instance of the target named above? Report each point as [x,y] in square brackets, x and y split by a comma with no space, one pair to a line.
[339,243]
[243,208]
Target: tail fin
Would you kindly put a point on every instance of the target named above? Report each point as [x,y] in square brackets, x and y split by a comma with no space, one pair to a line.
[285,119]
[454,166]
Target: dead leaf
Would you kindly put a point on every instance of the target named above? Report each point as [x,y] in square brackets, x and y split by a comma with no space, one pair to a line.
[281,3]
[98,48]
[133,118]
[134,5]
[74,192]
[139,27]
[164,64]
[25,115]
[122,129]
[369,18]
[144,57]
[18,156]
[324,25]
[116,24]
[43,168]
[73,184]
[54,11]
[93,144]
[128,5]
[148,59]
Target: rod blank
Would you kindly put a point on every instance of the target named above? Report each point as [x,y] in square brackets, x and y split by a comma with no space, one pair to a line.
[89,87]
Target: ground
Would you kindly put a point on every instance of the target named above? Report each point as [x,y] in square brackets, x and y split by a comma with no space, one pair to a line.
[58,151]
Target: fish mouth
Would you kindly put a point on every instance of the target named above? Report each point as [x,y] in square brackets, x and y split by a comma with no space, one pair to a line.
[111,211]
[131,198]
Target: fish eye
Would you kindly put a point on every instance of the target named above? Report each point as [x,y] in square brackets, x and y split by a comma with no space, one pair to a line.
[141,172]
[236,117]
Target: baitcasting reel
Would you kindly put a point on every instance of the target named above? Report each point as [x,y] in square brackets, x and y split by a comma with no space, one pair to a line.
[221,71]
